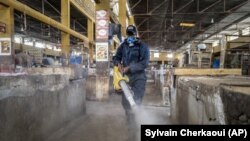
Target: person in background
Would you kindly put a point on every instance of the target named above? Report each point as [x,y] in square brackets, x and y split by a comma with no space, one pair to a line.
[132,58]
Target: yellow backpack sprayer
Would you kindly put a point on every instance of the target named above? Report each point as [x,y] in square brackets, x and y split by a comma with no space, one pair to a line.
[120,83]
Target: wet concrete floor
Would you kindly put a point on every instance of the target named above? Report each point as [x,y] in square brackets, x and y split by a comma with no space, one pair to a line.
[106,121]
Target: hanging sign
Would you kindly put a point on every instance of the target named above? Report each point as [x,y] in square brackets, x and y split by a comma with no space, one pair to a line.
[102,51]
[5,46]
[102,25]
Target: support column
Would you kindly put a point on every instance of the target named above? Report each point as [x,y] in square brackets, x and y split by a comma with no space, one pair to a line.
[91,40]
[102,62]
[190,57]
[162,62]
[131,20]
[223,47]
[65,20]
[6,39]
[123,16]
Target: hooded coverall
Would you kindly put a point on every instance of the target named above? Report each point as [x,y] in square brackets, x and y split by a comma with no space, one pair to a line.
[137,58]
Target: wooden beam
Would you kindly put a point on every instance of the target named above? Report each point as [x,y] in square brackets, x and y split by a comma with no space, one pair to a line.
[65,20]
[90,30]
[123,16]
[211,72]
[91,39]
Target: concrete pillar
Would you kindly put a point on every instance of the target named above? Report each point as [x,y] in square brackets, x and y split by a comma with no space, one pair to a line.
[91,40]
[65,20]
[123,16]
[223,47]
[190,53]
[6,39]
[102,66]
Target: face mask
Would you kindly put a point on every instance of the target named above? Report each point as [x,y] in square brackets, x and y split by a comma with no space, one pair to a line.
[131,40]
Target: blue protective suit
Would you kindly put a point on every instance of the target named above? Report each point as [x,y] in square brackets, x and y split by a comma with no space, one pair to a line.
[137,58]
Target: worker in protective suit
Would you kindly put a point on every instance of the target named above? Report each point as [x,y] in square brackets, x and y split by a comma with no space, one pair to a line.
[132,58]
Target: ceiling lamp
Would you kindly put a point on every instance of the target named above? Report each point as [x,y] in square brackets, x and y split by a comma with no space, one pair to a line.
[22,29]
[212,20]
[187,24]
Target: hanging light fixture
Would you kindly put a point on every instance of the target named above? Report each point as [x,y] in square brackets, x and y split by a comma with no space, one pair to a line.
[49,31]
[187,24]
[171,23]
[22,29]
[58,41]
[212,20]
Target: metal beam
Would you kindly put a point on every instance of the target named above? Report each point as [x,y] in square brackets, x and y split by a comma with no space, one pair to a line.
[45,19]
[135,4]
[86,8]
[224,28]
[224,5]
[172,12]
[210,6]
[198,6]
[176,11]
[246,14]
[80,24]
[237,6]
[57,11]
[187,13]
[142,22]
[151,29]
[151,12]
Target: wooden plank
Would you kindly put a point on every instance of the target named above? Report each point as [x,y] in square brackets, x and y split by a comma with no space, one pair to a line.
[195,72]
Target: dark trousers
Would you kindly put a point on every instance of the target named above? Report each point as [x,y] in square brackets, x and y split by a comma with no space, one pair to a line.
[138,87]
[137,84]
